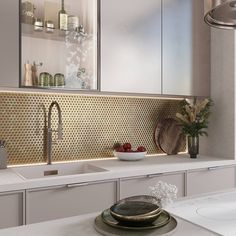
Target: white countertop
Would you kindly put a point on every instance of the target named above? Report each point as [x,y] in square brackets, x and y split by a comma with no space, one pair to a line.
[10,181]
[83,226]
[216,212]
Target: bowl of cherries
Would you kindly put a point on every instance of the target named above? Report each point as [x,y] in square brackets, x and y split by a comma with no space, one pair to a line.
[126,153]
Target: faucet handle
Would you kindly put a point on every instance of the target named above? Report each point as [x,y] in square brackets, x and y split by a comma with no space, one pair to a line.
[59,132]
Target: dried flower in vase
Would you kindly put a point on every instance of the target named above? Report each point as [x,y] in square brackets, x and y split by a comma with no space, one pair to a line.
[194,116]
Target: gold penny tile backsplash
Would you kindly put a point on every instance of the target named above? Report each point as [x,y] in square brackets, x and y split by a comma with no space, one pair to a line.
[91,125]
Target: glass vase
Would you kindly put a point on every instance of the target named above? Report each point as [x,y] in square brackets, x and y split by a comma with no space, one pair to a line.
[193,146]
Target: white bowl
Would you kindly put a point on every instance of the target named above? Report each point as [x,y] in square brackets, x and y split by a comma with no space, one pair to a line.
[130,156]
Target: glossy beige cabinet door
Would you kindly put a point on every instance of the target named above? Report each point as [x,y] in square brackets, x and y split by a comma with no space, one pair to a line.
[11,209]
[186,48]
[210,180]
[131,46]
[9,43]
[140,185]
[71,200]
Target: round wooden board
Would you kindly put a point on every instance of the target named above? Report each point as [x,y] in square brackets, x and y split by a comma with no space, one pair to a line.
[168,136]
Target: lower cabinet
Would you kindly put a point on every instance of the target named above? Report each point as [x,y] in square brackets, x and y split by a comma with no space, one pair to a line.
[140,185]
[42,204]
[70,200]
[12,209]
[210,180]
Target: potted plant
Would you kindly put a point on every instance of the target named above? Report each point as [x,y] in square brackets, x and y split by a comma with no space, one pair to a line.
[193,117]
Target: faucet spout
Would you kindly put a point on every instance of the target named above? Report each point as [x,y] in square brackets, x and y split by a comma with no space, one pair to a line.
[49,130]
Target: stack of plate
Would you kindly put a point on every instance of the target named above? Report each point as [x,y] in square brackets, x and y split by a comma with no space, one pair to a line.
[135,213]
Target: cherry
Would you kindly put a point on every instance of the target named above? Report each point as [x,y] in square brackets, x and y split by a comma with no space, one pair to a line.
[120,149]
[127,146]
[141,149]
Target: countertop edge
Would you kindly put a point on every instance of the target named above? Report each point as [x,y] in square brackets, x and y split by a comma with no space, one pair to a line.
[115,170]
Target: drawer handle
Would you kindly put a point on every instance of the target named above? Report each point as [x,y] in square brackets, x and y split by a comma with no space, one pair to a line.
[45,188]
[214,168]
[155,175]
[76,185]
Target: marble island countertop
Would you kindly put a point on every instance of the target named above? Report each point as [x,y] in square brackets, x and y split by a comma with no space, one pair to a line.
[83,225]
[115,169]
[216,212]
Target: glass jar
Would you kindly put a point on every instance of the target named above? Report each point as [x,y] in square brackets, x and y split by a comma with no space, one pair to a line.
[73,22]
[27,12]
[46,79]
[59,80]
[49,26]
[38,25]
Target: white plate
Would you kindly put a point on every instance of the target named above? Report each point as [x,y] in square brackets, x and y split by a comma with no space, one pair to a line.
[130,156]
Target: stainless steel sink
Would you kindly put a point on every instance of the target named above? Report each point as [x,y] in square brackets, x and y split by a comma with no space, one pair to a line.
[54,170]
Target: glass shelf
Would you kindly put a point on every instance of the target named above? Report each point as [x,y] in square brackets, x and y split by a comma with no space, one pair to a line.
[28,31]
[57,35]
[55,88]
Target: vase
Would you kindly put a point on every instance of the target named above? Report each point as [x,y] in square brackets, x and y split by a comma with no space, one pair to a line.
[193,146]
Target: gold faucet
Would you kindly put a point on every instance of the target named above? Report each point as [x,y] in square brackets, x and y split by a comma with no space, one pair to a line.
[49,130]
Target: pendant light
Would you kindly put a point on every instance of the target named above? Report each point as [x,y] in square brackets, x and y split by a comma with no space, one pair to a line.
[220,13]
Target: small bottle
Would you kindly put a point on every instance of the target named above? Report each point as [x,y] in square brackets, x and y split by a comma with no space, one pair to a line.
[3,155]
[28,75]
[62,17]
[34,74]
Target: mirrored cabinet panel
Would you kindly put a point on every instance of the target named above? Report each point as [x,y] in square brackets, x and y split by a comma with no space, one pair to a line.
[59,44]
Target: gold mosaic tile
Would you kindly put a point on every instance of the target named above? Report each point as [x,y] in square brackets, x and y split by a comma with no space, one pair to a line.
[91,125]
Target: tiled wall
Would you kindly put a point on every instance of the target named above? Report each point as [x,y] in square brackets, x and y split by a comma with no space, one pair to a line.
[91,124]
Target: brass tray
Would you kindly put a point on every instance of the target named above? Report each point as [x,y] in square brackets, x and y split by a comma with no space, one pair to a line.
[162,220]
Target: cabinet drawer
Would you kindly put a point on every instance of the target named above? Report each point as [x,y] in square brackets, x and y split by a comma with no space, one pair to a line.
[66,201]
[210,180]
[139,186]
[12,209]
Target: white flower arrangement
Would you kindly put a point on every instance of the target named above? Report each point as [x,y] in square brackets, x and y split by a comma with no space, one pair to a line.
[164,192]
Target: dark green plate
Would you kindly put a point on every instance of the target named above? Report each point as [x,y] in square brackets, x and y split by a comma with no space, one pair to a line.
[134,208]
[162,220]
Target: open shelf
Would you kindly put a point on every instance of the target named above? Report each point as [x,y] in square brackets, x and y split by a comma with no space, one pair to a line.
[56,35]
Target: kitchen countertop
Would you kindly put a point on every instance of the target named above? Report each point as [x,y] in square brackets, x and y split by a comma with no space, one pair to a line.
[216,212]
[10,181]
[83,225]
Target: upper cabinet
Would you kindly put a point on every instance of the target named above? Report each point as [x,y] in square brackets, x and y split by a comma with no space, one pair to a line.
[186,49]
[155,47]
[59,44]
[131,46]
[159,47]
[9,43]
